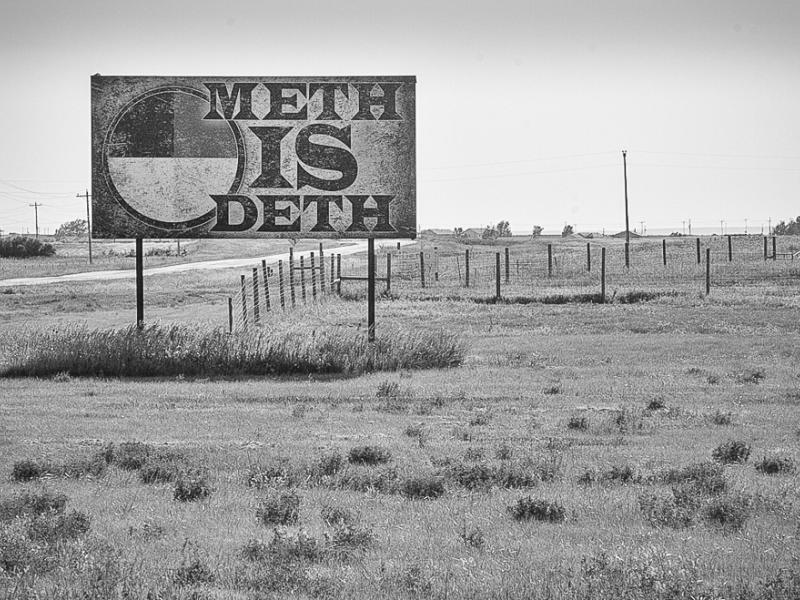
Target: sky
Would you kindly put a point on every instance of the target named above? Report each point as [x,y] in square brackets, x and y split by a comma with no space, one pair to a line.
[523,108]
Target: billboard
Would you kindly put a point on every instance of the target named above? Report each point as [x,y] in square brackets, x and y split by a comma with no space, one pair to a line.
[253,157]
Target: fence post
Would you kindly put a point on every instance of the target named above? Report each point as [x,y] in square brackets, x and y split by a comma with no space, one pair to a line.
[388,272]
[664,251]
[282,293]
[698,250]
[244,303]
[333,270]
[255,296]
[422,268]
[265,273]
[730,249]
[774,248]
[436,264]
[398,246]
[313,278]
[589,257]
[321,270]
[603,275]
[549,260]
[466,269]
[230,314]
[339,274]
[302,280]
[291,276]
[497,275]
[708,271]
[765,248]
[508,272]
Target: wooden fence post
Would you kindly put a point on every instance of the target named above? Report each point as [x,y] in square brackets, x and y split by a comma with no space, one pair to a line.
[497,275]
[265,274]
[664,251]
[422,268]
[339,274]
[313,278]
[698,250]
[321,270]
[730,249]
[244,303]
[603,275]
[708,271]
[508,268]
[291,276]
[230,314]
[436,264]
[549,260]
[256,307]
[765,248]
[281,291]
[466,269]
[388,272]
[302,280]
[774,248]
[589,257]
[333,271]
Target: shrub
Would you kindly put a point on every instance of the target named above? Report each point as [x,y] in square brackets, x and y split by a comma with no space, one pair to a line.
[18,553]
[481,418]
[772,465]
[347,537]
[162,468]
[656,404]
[193,569]
[383,480]
[279,509]
[93,465]
[388,389]
[329,464]
[707,477]
[26,470]
[721,418]
[369,455]
[474,476]
[552,390]
[31,504]
[337,515]
[578,423]
[416,430]
[728,512]
[733,451]
[665,510]
[283,546]
[50,527]
[472,537]
[422,487]
[504,452]
[538,509]
[131,456]
[622,474]
[269,473]
[191,486]
[473,453]
[752,375]
[24,247]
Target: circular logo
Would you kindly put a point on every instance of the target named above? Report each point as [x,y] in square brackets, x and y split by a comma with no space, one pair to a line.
[162,160]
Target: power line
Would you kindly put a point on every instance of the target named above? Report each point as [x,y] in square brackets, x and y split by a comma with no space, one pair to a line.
[519,173]
[514,162]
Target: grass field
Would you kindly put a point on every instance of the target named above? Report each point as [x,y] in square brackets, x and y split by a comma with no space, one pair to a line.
[580,451]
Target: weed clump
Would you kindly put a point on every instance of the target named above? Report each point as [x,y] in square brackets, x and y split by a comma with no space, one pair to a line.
[131,456]
[578,423]
[381,480]
[751,375]
[337,515]
[472,537]
[656,404]
[27,470]
[721,418]
[279,509]
[369,455]
[733,451]
[527,508]
[425,487]
[707,477]
[162,468]
[774,465]
[191,486]
[31,504]
[617,474]
[51,527]
[481,418]
[728,512]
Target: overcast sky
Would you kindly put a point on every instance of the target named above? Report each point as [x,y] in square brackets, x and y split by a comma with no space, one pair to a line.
[523,107]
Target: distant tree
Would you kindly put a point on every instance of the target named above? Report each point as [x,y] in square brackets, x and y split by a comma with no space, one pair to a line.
[790,228]
[24,247]
[537,231]
[503,229]
[458,232]
[72,229]
[676,234]
[568,230]
[489,233]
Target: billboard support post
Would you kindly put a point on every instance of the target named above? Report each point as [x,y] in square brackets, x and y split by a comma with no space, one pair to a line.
[371,289]
[139,284]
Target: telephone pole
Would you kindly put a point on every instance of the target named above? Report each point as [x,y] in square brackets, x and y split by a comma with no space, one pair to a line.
[87,195]
[745,226]
[36,206]
[690,227]
[627,226]
[684,227]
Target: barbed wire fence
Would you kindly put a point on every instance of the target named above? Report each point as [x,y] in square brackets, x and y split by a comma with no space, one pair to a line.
[556,271]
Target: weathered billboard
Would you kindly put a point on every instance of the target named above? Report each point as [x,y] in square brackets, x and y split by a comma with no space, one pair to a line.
[253,157]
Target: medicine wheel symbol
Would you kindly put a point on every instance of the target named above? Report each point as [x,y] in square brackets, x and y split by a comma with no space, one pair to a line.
[162,161]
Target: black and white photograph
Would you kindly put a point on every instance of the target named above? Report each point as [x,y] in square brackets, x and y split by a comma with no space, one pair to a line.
[422,300]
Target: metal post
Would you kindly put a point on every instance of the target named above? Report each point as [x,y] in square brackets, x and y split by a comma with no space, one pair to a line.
[664,251]
[730,249]
[507,268]
[339,274]
[281,292]
[139,284]
[313,278]
[549,260]
[333,270]
[388,272]
[265,273]
[627,226]
[422,268]
[371,289]
[589,257]
[291,276]
[765,248]
[230,314]
[603,275]
[774,248]
[244,302]
[302,280]
[497,275]
[466,269]
[698,250]
[255,296]
[87,195]
[708,271]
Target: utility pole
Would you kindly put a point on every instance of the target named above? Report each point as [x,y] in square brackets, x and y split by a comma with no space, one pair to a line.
[36,206]
[690,227]
[87,195]
[641,227]
[721,230]
[627,226]
[769,226]
[745,226]
[684,227]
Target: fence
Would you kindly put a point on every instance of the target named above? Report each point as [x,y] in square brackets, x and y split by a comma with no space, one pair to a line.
[536,270]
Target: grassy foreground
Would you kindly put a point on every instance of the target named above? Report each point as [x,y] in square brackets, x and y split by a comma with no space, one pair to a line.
[581,451]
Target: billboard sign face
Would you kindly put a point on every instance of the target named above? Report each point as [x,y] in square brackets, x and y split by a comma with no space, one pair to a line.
[253,157]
